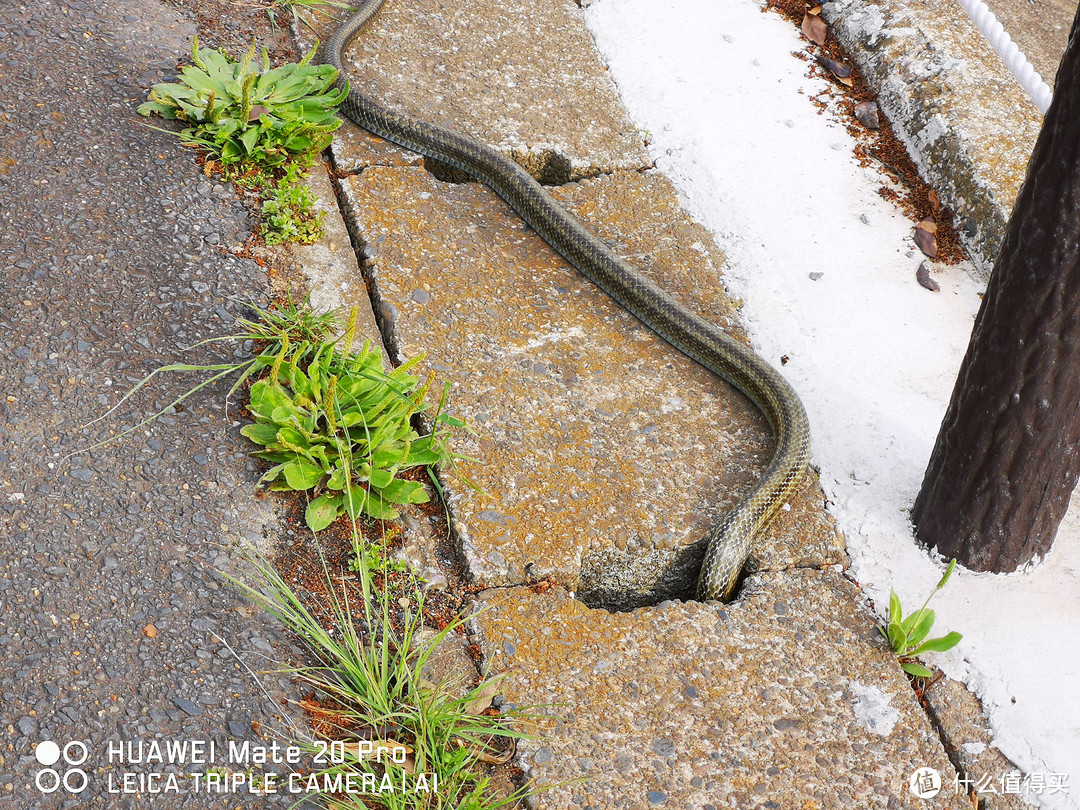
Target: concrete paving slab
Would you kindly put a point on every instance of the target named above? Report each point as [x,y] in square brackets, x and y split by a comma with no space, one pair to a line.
[958,714]
[606,454]
[967,123]
[787,699]
[522,77]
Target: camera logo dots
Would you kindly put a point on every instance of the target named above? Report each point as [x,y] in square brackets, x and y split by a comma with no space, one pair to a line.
[73,779]
[47,753]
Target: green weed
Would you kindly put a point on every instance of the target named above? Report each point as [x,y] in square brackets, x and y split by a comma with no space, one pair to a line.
[288,211]
[907,635]
[340,425]
[376,556]
[240,114]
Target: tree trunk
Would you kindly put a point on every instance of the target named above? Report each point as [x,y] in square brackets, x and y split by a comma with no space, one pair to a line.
[1008,452]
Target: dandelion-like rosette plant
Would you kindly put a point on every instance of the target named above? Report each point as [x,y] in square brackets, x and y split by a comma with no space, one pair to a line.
[907,635]
[342,426]
[239,113]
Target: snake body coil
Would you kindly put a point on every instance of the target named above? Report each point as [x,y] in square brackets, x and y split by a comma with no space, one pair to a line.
[730,542]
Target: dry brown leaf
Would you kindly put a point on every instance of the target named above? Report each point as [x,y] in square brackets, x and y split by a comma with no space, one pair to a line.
[922,275]
[815,10]
[499,759]
[837,69]
[487,692]
[925,237]
[935,202]
[814,28]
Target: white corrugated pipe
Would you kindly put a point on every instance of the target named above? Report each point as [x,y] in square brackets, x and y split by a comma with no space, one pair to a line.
[1002,43]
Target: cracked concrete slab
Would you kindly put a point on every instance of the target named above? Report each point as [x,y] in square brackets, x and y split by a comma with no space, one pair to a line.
[605,454]
[788,698]
[965,121]
[522,77]
[970,743]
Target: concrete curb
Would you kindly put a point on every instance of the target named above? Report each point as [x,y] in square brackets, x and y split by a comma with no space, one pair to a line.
[964,119]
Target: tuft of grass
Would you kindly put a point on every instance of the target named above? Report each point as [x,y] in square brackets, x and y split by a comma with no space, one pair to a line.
[378,713]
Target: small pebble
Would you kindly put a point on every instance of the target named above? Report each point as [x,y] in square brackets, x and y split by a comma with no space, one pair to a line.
[187,707]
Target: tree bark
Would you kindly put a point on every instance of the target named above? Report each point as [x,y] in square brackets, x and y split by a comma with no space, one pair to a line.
[1008,452]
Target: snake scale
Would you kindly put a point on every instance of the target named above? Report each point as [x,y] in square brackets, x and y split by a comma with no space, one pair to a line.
[730,542]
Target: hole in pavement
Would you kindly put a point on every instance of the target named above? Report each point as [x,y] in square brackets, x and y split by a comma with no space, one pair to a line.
[615,580]
[549,167]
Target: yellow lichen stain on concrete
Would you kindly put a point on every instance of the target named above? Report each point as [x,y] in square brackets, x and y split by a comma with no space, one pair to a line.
[593,431]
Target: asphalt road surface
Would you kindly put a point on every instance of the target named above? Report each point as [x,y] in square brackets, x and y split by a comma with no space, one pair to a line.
[112,250]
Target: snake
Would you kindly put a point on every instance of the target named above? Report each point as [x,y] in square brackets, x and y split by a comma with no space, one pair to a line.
[730,541]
